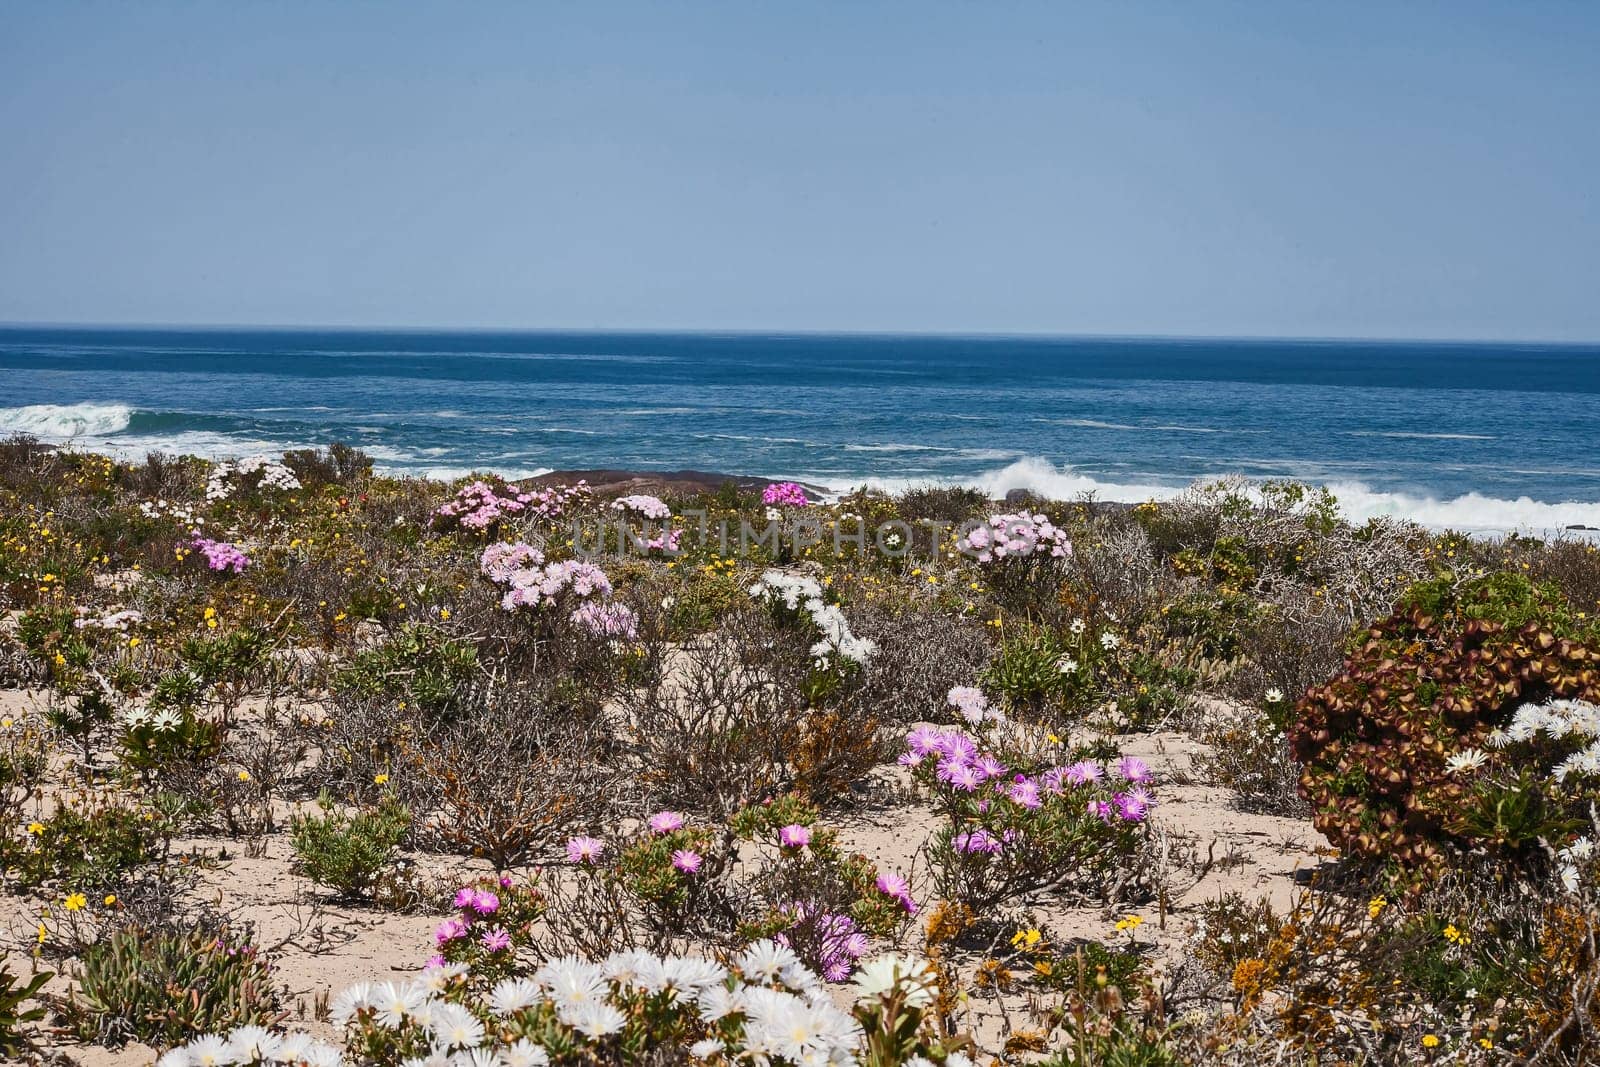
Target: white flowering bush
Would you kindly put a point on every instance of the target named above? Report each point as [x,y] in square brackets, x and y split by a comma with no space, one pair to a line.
[253,472]
[798,596]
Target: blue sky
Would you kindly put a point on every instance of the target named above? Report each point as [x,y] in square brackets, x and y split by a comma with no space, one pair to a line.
[1276,168]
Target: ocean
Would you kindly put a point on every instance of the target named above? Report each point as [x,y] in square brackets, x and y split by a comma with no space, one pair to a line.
[1481,437]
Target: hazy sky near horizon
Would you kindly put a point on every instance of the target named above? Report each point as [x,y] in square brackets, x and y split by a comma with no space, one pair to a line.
[1274,168]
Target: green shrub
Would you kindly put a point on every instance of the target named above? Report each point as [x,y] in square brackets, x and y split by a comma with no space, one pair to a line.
[419,665]
[349,852]
[86,846]
[13,1042]
[165,987]
[1434,680]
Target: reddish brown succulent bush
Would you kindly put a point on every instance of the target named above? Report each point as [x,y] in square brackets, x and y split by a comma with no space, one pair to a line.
[1452,663]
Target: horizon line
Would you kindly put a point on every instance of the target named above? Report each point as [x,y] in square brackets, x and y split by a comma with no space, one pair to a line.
[1038,335]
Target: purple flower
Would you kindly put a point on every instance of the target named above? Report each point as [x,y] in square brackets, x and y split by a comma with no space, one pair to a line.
[785,493]
[1133,805]
[1101,809]
[960,775]
[923,741]
[496,940]
[485,902]
[686,860]
[897,887]
[465,896]
[664,822]
[1084,772]
[976,841]
[434,960]
[1055,780]
[794,836]
[450,930]
[989,767]
[585,850]
[1025,793]
[1132,769]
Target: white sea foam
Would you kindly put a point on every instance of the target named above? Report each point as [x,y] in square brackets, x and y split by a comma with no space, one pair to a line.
[64,422]
[1469,513]
[1422,436]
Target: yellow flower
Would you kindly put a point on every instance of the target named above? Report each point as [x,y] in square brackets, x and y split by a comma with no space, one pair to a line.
[1375,907]
[111,900]
[133,642]
[1131,923]
[1484,1042]
[1025,938]
[75,902]
[244,776]
[380,779]
[444,613]
[36,828]
[1430,1041]
[1455,936]
[6,722]
[42,933]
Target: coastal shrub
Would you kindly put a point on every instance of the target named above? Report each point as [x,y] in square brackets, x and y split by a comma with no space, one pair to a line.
[349,852]
[744,713]
[164,987]
[85,844]
[1014,831]
[1408,763]
[920,657]
[338,464]
[1250,755]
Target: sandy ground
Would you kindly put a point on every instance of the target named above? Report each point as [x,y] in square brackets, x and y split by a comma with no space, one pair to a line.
[324,946]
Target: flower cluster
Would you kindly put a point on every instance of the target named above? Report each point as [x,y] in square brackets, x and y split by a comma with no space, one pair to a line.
[973,706]
[616,622]
[645,507]
[533,583]
[785,494]
[1011,830]
[163,509]
[764,1006]
[798,594]
[1569,721]
[221,555]
[838,942]
[225,476]
[479,505]
[1016,536]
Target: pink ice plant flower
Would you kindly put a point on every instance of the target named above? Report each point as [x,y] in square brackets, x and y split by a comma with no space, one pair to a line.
[1132,769]
[686,860]
[495,940]
[1024,792]
[585,849]
[451,929]
[664,822]
[794,836]
[894,885]
[485,902]
[1084,772]
[781,494]
[1017,535]
[976,841]
[221,556]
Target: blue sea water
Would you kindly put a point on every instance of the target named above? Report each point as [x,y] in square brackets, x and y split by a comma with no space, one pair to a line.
[1475,436]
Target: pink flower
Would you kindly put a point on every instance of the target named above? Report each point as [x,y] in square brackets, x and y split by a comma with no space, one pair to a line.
[686,860]
[585,849]
[496,940]
[465,896]
[1024,792]
[1101,809]
[794,836]
[976,841]
[1132,769]
[450,930]
[785,493]
[1133,805]
[434,960]
[897,887]
[485,902]
[1084,772]
[664,822]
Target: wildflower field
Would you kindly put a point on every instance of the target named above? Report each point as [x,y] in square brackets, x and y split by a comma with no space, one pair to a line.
[304,765]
